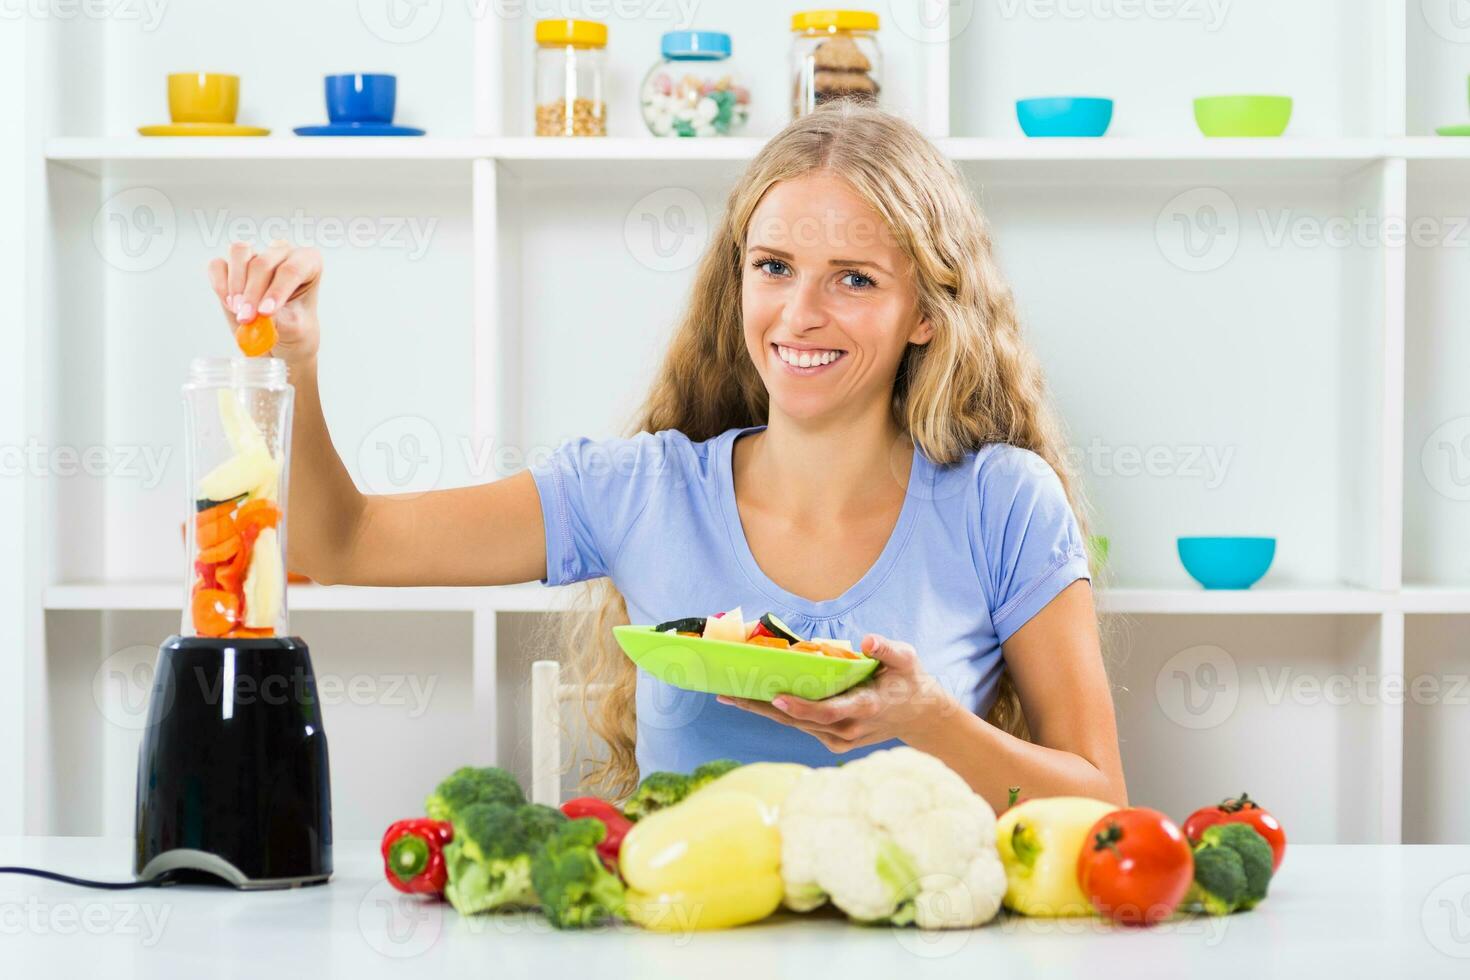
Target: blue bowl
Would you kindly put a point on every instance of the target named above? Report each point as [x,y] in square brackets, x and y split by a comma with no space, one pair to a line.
[1064,116]
[361,98]
[1227,563]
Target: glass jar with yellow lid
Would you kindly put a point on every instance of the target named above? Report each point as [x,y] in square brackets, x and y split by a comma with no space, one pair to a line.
[834,55]
[571,60]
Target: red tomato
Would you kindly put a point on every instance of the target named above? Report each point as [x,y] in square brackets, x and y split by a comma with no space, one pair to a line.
[1135,866]
[1242,810]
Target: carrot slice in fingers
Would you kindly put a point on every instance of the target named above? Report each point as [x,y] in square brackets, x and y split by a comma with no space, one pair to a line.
[256,337]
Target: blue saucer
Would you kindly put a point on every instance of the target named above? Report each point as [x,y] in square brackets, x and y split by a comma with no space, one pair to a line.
[357,129]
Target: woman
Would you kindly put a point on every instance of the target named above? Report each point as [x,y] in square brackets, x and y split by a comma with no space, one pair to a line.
[847,431]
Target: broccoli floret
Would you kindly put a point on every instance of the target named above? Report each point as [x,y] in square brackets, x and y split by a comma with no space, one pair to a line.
[575,887]
[658,790]
[469,785]
[1219,880]
[1254,852]
[489,860]
[709,772]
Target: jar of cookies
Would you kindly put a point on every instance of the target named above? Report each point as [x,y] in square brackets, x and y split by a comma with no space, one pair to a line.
[834,55]
[693,91]
[570,65]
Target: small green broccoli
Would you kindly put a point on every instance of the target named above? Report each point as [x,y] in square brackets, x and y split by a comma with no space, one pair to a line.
[1255,856]
[1219,881]
[468,785]
[709,772]
[575,888]
[658,790]
[663,789]
[1232,869]
[489,860]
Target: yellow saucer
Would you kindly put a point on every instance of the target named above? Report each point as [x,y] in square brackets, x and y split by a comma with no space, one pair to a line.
[202,129]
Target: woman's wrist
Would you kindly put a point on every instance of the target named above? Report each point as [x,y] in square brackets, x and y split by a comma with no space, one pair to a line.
[940,728]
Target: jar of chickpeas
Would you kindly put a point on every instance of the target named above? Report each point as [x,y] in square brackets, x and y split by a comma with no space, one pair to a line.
[570,66]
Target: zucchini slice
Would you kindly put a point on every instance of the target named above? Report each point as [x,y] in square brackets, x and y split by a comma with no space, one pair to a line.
[779,629]
[694,624]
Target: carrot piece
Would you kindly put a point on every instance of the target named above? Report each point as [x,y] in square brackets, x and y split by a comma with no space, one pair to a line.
[214,513]
[256,337]
[770,641]
[214,532]
[214,611]
[223,551]
[841,653]
[257,515]
[807,645]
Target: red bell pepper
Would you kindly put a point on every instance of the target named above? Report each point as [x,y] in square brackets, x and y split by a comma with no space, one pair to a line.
[413,855]
[611,817]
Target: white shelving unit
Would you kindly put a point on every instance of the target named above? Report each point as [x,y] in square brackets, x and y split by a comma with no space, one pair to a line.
[1294,370]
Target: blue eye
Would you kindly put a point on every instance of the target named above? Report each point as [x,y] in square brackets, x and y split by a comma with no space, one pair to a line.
[857,280]
[772,267]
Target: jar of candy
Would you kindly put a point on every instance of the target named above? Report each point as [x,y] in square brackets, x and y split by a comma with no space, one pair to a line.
[570,65]
[834,55]
[692,90]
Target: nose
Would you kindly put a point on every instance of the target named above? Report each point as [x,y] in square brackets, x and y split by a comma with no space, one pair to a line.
[806,308]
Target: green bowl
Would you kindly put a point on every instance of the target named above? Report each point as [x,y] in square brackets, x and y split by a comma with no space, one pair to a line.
[739,670]
[1242,115]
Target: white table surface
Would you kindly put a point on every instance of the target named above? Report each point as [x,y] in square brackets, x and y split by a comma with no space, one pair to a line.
[1338,911]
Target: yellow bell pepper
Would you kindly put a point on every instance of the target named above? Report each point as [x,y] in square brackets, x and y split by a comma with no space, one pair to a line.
[710,862]
[768,781]
[1039,843]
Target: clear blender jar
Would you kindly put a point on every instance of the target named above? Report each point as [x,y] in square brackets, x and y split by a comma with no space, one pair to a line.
[237,449]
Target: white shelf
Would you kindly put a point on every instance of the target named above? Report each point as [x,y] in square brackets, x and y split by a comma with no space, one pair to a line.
[625,160]
[1188,601]
[1266,601]
[318,598]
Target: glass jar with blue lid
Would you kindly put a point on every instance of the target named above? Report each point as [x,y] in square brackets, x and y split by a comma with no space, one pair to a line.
[693,89]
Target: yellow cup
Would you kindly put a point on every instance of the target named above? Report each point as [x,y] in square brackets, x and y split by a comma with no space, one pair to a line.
[203,97]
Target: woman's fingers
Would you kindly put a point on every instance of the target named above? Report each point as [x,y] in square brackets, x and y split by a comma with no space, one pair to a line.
[890,653]
[299,272]
[239,258]
[861,703]
[219,280]
[766,710]
[258,273]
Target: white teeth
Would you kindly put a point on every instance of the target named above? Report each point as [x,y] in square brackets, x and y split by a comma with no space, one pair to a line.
[806,358]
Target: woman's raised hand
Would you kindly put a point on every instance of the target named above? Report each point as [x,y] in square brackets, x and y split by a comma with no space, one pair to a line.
[280,282]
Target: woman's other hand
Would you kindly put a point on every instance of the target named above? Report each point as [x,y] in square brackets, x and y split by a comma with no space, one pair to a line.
[900,701]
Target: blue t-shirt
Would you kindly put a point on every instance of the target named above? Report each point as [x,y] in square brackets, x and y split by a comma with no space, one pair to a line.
[979,548]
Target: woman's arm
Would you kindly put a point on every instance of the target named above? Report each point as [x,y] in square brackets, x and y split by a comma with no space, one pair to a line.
[1056,663]
[490,534]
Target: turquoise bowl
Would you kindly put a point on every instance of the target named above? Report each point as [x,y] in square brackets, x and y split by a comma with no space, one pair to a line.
[1227,563]
[1064,116]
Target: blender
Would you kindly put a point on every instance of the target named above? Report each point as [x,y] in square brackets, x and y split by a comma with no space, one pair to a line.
[232,771]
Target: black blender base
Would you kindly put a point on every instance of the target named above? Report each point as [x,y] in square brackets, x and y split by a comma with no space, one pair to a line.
[233,775]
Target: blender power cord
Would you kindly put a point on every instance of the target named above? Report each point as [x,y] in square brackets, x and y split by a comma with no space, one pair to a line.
[163,878]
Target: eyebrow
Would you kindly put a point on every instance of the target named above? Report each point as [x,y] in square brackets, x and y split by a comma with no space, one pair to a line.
[839,262]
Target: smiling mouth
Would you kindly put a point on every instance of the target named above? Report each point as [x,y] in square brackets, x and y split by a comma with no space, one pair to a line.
[806,362]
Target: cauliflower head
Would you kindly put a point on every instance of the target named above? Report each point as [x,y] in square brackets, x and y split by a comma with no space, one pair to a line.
[896,836]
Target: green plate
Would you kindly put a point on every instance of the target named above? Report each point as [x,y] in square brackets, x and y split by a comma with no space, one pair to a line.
[739,670]
[1460,130]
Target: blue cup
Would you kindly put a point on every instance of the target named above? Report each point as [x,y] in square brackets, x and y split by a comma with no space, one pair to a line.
[359,98]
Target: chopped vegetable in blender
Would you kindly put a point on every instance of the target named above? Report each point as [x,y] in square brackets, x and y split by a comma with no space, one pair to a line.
[240,583]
